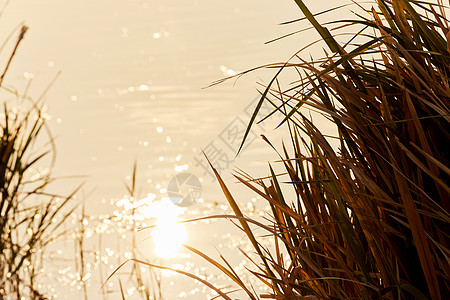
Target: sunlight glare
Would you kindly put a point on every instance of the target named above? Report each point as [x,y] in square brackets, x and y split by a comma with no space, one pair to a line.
[168,234]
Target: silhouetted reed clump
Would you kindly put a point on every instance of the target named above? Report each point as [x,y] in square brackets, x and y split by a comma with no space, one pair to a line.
[30,216]
[370,217]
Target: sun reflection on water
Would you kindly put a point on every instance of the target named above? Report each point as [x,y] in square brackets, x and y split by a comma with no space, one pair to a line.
[169,233]
[168,237]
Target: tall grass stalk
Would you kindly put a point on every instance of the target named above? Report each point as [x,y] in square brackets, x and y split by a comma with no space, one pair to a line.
[146,282]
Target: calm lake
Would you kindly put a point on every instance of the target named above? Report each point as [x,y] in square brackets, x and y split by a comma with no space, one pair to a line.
[134,88]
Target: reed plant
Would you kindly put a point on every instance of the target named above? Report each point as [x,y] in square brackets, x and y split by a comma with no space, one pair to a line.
[30,215]
[363,214]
